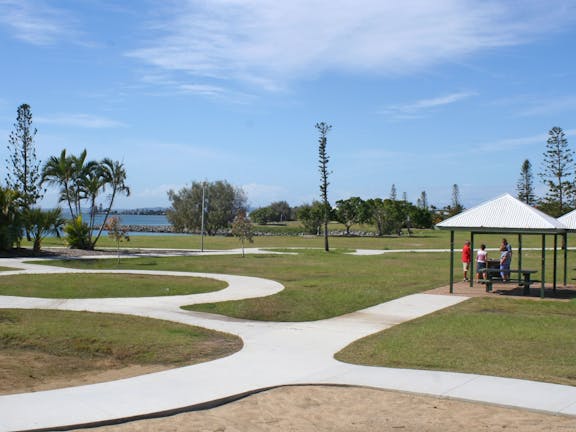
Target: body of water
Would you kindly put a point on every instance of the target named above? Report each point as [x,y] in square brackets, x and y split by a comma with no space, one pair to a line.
[132,220]
[129,219]
[149,220]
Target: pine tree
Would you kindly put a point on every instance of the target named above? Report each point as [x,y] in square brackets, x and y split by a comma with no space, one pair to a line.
[323,160]
[525,185]
[23,169]
[557,173]
[456,207]
[423,201]
[393,193]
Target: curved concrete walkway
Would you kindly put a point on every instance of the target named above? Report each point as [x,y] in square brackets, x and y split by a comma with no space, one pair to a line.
[274,354]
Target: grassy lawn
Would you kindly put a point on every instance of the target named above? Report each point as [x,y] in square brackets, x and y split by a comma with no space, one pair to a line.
[421,239]
[39,345]
[7,269]
[496,336]
[492,336]
[104,285]
[318,284]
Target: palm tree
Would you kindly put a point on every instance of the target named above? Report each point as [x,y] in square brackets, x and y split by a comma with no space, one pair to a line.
[81,180]
[42,223]
[80,170]
[59,171]
[113,174]
[89,184]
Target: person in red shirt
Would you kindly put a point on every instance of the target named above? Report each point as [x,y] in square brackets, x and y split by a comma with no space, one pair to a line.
[466,258]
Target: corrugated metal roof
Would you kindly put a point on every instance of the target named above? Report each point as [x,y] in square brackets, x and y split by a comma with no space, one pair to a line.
[503,214]
[569,219]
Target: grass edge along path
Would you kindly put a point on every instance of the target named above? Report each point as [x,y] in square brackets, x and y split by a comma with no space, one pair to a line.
[52,345]
[104,285]
[513,338]
[318,285]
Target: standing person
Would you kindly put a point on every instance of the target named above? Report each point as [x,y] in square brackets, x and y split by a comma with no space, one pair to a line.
[466,258]
[481,260]
[505,260]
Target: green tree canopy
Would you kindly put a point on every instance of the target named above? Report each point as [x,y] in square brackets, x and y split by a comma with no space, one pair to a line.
[311,217]
[557,174]
[222,201]
[278,211]
[351,211]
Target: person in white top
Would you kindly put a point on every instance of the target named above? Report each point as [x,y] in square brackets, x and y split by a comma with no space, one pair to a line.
[481,260]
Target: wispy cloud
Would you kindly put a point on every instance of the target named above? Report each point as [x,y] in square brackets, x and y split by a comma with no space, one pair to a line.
[36,22]
[267,44]
[169,84]
[423,106]
[506,144]
[547,106]
[80,120]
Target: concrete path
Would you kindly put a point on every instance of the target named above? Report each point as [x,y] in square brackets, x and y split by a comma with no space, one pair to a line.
[274,354]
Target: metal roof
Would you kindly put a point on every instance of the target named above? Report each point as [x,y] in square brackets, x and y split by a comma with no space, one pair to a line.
[503,214]
[569,219]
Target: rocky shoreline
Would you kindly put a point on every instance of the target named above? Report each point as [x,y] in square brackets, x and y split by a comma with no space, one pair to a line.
[151,228]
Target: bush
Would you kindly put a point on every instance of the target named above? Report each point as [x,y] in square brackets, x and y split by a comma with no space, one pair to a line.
[78,234]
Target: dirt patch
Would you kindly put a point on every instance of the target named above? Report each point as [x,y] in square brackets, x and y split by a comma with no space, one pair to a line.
[350,409]
[22,371]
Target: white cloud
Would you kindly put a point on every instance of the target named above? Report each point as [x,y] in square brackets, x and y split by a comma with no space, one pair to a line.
[80,120]
[548,106]
[422,106]
[507,144]
[267,44]
[35,22]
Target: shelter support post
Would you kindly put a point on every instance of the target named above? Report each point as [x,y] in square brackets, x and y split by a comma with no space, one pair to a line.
[471,270]
[555,266]
[451,262]
[565,246]
[520,252]
[543,265]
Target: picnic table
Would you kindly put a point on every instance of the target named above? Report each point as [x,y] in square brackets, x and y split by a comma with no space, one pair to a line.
[524,278]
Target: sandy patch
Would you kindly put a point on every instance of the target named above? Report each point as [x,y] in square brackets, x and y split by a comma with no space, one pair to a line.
[350,409]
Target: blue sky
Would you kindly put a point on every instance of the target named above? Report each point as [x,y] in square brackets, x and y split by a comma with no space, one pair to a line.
[421,94]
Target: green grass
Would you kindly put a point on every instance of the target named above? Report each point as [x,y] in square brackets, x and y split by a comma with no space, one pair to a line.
[492,336]
[421,239]
[318,284]
[496,336]
[104,285]
[127,339]
[2,269]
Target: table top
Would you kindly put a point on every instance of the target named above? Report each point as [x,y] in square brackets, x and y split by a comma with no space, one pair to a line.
[523,271]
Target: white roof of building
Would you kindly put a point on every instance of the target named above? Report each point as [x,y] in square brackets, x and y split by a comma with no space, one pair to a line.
[569,219]
[503,214]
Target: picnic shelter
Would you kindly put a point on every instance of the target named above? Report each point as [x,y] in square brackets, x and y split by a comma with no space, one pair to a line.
[507,215]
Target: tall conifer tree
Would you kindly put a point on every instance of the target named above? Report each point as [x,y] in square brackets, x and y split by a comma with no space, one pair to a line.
[557,174]
[525,185]
[23,168]
[323,160]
